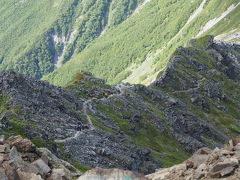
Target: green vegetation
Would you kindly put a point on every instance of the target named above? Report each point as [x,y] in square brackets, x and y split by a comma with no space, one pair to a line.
[164,147]
[27,41]
[222,113]
[155,32]
[11,117]
[38,142]
[3,104]
[24,44]
[60,146]
[79,166]
[105,37]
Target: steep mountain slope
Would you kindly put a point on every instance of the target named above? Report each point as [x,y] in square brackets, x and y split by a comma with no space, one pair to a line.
[138,49]
[22,25]
[194,103]
[39,36]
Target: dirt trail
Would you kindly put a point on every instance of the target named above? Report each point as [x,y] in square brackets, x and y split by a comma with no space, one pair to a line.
[87,106]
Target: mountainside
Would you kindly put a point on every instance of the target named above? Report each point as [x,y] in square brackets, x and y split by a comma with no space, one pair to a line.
[195,103]
[38,36]
[127,40]
[139,48]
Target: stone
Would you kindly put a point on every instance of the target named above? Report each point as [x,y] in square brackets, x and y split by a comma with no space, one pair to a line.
[17,166]
[45,159]
[1,157]
[2,139]
[42,166]
[5,157]
[223,167]
[201,171]
[55,161]
[198,159]
[110,174]
[2,148]
[227,171]
[216,150]
[24,166]
[3,174]
[30,157]
[234,161]
[28,176]
[60,174]
[14,155]
[189,178]
[204,150]
[189,164]
[11,172]
[231,144]
[224,152]
[22,145]
[236,140]
[237,147]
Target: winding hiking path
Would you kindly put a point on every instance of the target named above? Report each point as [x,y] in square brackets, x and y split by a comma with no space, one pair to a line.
[87,106]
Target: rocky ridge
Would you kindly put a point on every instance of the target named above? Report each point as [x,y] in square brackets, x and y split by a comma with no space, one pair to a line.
[21,160]
[56,118]
[193,104]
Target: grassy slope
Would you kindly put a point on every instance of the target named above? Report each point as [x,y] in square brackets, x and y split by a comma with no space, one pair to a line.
[125,47]
[22,23]
[229,25]
[27,28]
[164,147]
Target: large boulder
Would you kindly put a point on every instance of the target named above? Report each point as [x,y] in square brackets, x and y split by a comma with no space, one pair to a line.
[22,145]
[23,161]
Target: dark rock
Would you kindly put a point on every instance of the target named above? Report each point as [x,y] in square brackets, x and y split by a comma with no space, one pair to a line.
[3,174]
[43,168]
[14,155]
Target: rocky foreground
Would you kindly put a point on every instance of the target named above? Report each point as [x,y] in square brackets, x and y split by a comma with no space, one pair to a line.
[21,160]
[206,164]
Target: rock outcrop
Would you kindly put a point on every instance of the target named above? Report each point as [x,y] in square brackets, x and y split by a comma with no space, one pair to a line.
[20,159]
[206,164]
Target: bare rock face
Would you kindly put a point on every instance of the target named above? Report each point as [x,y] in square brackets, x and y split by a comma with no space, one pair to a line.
[21,160]
[111,174]
[22,145]
[206,164]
